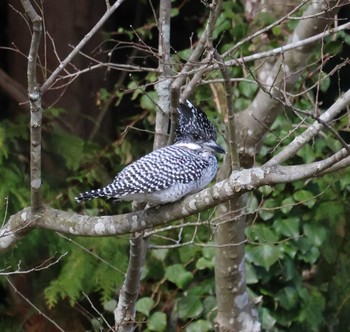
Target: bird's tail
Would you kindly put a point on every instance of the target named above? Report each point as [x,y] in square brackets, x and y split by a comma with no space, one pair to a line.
[87,195]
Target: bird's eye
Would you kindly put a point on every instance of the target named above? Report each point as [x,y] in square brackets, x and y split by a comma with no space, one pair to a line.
[196,136]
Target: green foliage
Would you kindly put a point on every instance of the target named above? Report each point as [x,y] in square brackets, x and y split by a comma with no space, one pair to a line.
[145,305]
[76,150]
[178,275]
[97,270]
[290,251]
[87,272]
[157,322]
[14,192]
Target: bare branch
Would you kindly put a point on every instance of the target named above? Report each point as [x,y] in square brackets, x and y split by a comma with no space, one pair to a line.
[50,81]
[206,66]
[231,136]
[288,47]
[98,312]
[264,30]
[311,131]
[44,265]
[163,85]
[215,9]
[33,305]
[124,314]
[35,108]
[257,118]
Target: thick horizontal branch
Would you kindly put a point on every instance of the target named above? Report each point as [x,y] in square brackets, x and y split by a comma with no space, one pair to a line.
[238,182]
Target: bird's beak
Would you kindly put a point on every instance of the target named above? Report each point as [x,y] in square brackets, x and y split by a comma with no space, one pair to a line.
[215,147]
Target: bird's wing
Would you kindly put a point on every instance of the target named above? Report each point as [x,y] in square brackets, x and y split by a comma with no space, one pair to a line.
[159,170]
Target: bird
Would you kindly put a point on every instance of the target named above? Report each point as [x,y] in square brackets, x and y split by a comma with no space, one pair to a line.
[170,173]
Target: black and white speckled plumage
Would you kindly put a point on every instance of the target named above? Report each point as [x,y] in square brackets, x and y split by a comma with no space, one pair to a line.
[170,173]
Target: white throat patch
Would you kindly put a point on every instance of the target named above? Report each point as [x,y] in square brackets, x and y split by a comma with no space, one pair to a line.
[191,146]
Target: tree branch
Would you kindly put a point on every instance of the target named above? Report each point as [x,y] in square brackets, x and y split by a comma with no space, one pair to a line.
[230,228]
[295,44]
[34,306]
[258,117]
[215,8]
[164,67]
[35,108]
[51,80]
[298,142]
[124,314]
[238,183]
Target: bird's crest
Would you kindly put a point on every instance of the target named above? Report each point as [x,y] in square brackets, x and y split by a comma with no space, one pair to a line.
[193,121]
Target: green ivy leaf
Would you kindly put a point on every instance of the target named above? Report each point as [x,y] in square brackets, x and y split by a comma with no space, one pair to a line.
[178,275]
[148,100]
[288,298]
[208,252]
[277,31]
[209,304]
[174,12]
[144,305]
[316,234]
[110,305]
[311,256]
[247,89]
[160,254]
[268,211]
[305,197]
[307,153]
[267,320]
[263,255]
[189,307]
[188,252]
[313,308]
[157,322]
[261,233]
[287,205]
[325,82]
[289,248]
[203,263]
[288,227]
[251,276]
[199,325]
[330,211]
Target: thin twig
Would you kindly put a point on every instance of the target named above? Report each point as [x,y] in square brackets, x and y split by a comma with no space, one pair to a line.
[43,266]
[34,306]
[294,146]
[264,30]
[205,67]
[91,253]
[98,312]
[110,10]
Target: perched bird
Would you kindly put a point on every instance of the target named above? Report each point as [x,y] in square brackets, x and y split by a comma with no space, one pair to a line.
[170,173]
